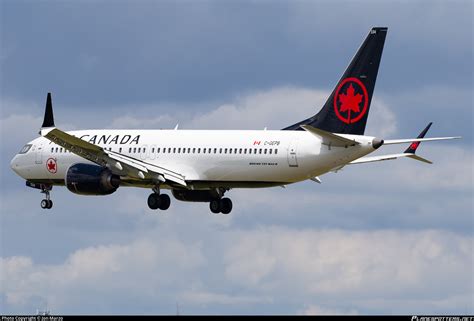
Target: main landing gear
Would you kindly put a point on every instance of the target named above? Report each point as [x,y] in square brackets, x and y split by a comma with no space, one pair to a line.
[158,201]
[47,203]
[223,205]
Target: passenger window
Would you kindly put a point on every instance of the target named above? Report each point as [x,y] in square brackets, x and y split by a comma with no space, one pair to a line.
[225,151]
[199,151]
[245,150]
[276,151]
[52,150]
[230,150]
[215,150]
[120,149]
[260,151]
[220,150]
[265,151]
[235,151]
[130,150]
[169,150]
[270,150]
[158,150]
[139,149]
[255,151]
[144,149]
[153,150]
[240,151]
[194,150]
[134,149]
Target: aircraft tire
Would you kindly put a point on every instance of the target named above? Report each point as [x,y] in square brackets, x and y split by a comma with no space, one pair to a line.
[154,201]
[215,206]
[226,205]
[44,204]
[165,202]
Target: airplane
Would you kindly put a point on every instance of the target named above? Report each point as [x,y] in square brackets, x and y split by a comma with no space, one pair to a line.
[203,165]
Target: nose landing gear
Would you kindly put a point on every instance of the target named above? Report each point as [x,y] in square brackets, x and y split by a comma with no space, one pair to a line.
[47,203]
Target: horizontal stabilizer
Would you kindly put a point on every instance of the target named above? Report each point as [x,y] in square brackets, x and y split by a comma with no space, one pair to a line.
[330,139]
[421,159]
[410,140]
[371,159]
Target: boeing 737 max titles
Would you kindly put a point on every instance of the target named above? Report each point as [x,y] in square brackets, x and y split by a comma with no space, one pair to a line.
[202,165]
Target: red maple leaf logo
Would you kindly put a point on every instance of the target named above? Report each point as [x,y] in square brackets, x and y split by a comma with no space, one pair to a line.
[52,166]
[349,101]
[414,145]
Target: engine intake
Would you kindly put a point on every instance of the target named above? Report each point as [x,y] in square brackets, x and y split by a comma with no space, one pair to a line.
[88,179]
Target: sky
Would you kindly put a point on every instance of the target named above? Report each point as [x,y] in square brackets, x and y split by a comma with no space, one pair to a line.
[385,238]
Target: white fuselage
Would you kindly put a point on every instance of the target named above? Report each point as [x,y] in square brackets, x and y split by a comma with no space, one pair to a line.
[206,158]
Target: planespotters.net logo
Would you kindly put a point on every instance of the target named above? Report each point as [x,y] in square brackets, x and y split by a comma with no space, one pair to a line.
[444,318]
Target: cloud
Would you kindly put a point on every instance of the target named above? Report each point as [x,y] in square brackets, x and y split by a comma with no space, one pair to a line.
[139,267]
[253,267]
[273,109]
[346,265]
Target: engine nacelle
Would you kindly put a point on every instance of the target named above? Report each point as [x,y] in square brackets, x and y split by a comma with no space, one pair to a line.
[88,179]
[195,196]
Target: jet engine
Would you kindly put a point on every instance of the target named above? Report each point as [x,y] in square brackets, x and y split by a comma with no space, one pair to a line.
[88,179]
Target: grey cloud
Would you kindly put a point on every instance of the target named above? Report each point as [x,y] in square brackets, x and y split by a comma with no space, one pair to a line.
[251,268]
[188,52]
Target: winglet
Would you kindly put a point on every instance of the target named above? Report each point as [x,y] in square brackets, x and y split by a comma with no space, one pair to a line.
[412,148]
[48,113]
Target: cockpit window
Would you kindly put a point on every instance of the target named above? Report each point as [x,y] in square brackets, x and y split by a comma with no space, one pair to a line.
[25,149]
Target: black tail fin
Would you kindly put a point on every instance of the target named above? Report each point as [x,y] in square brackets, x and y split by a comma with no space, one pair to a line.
[413,146]
[347,109]
[48,120]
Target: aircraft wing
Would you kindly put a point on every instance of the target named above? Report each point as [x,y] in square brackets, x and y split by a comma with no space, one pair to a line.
[123,164]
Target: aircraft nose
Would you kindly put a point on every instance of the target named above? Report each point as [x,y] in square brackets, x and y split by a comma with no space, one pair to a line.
[14,164]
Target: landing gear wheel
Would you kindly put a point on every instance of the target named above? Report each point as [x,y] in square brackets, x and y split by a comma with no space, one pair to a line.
[44,204]
[215,206]
[154,201]
[165,202]
[157,201]
[226,205]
